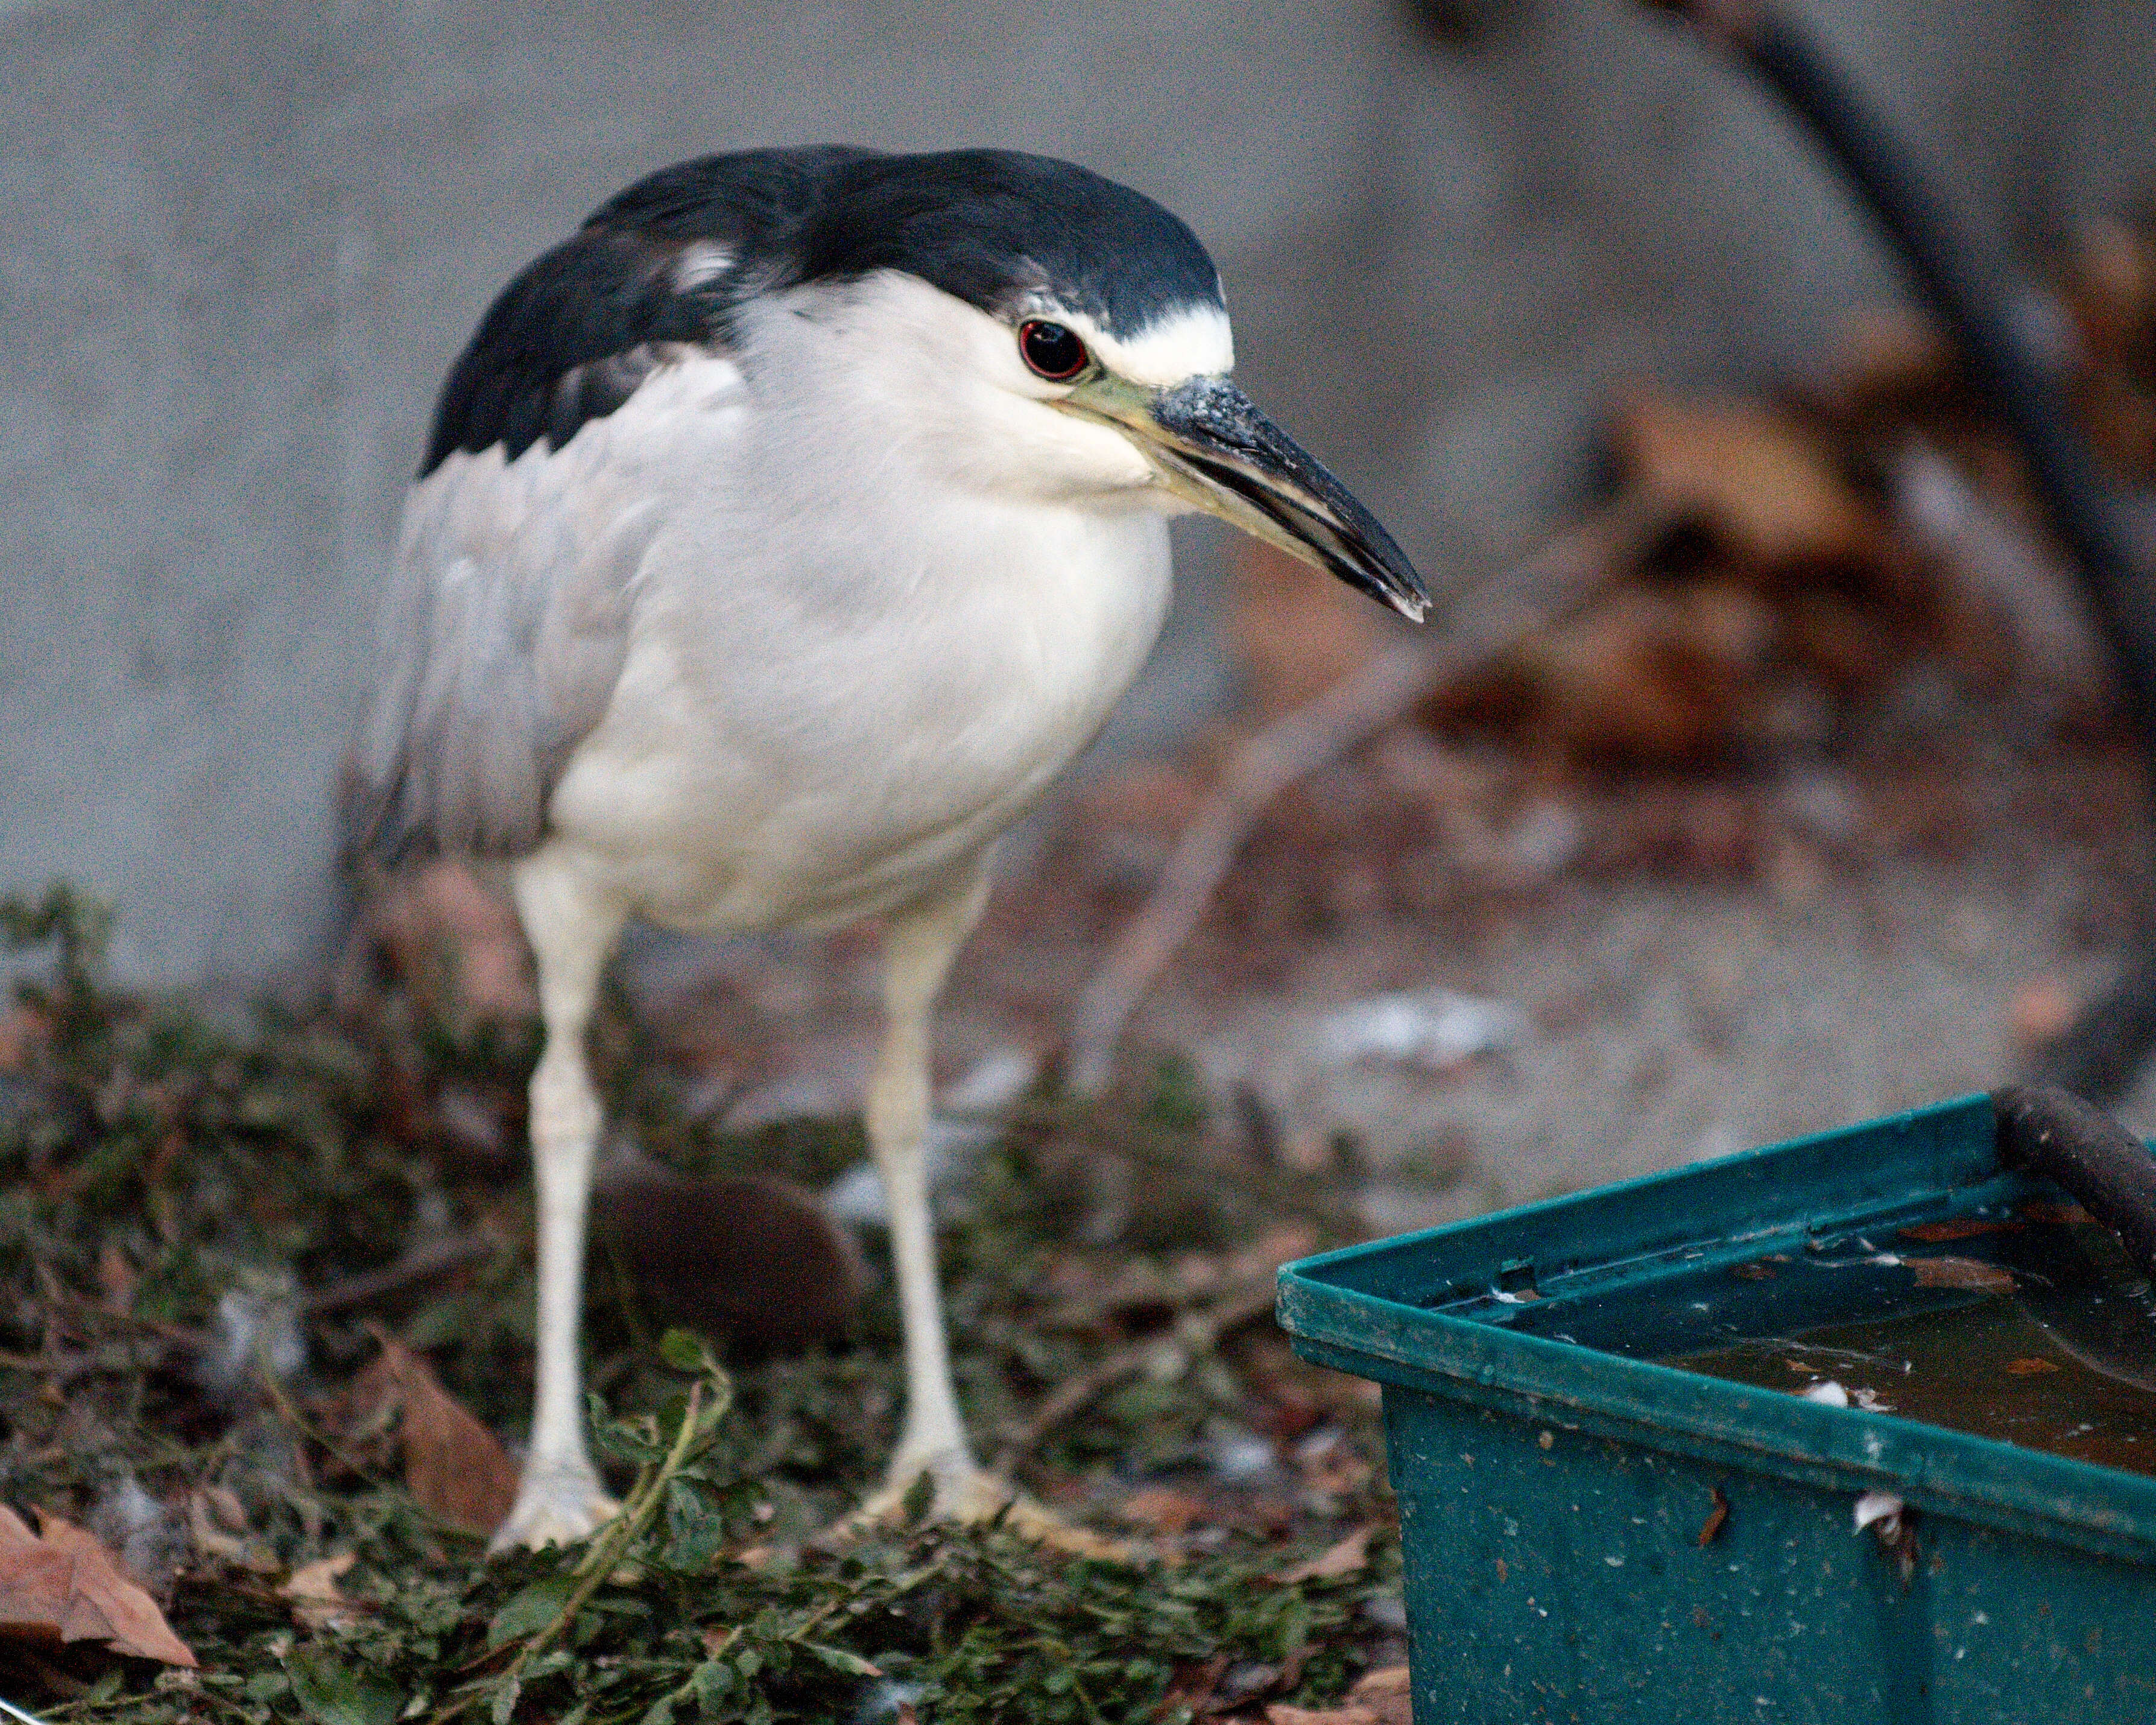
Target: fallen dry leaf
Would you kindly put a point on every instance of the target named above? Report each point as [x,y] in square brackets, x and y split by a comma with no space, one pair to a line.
[22,1032]
[66,1587]
[1160,1509]
[1345,1557]
[225,1506]
[1970,1273]
[1194,1686]
[1764,482]
[1385,1692]
[1380,1697]
[453,1465]
[1711,1529]
[2031,1367]
[209,1542]
[317,1601]
[1957,1228]
[1657,675]
[116,1277]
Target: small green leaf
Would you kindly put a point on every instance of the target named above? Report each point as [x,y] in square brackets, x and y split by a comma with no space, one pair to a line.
[686,1351]
[530,1611]
[334,1693]
[505,1697]
[839,1659]
[710,1680]
[695,1529]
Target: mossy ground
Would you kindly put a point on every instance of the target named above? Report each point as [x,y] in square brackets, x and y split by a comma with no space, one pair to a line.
[162,1177]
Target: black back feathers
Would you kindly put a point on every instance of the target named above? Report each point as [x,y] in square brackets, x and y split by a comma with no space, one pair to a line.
[663,265]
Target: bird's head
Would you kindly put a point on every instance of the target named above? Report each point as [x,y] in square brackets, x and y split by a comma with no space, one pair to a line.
[1033,329]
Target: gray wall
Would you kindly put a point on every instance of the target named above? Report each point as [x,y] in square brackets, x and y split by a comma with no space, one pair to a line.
[237,248]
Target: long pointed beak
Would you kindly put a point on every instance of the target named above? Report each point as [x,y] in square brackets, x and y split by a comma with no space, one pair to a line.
[1215,449]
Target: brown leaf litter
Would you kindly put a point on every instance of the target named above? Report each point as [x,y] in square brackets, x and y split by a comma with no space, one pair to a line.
[62,1586]
[452,1464]
[1379,1697]
[1348,1557]
[1161,1509]
[1973,1274]
[318,1602]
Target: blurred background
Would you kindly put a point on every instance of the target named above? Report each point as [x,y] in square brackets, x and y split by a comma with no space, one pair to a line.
[1795,792]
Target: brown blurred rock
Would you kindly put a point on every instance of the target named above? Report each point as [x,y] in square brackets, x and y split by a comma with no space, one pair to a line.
[756,1259]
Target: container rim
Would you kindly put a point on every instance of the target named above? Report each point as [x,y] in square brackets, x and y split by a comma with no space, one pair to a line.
[1353,1309]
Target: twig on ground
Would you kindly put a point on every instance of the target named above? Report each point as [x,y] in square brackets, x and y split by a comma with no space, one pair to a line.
[423,1264]
[180,1335]
[1277,1191]
[305,1431]
[1492,616]
[1198,1329]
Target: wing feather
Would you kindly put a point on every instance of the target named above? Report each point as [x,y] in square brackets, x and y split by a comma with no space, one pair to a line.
[508,619]
[599,371]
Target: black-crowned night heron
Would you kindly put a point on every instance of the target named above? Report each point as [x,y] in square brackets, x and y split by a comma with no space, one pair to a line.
[782,535]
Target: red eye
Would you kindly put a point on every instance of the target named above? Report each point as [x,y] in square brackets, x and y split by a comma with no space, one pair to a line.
[1051,350]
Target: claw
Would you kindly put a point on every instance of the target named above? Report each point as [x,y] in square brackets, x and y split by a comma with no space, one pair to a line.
[555,1506]
[970,1496]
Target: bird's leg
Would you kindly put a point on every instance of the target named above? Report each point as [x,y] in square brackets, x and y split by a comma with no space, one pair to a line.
[572,929]
[917,955]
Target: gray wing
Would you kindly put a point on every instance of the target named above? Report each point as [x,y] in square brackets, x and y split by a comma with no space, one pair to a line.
[503,634]
[600,368]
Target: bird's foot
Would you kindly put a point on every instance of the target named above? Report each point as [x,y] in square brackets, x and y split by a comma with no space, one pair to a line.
[964,1493]
[556,1504]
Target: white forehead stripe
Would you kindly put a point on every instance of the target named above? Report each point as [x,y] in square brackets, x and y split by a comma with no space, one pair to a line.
[1193,341]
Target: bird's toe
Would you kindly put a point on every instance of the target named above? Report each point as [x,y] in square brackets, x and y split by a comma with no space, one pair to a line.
[971,1497]
[555,1507]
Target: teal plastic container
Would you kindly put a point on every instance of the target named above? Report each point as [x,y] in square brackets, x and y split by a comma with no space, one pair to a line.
[1592,1537]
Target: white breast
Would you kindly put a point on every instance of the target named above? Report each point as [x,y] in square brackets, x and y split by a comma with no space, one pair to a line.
[819,727]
